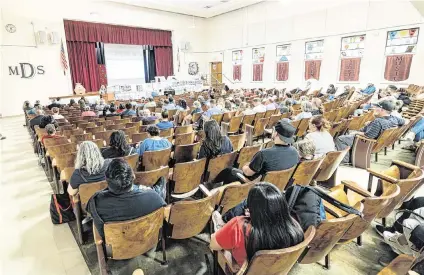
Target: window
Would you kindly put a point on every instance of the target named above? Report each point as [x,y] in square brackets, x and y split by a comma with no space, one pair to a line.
[401,46]
[313,56]
[258,58]
[283,58]
[351,52]
[237,61]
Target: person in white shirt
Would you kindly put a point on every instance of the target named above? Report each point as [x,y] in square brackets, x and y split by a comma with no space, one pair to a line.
[320,136]
[258,106]
[398,107]
[306,108]
[56,114]
[270,105]
[151,103]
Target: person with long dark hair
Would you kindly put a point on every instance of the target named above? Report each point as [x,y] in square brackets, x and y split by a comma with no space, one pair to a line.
[214,144]
[267,225]
[118,146]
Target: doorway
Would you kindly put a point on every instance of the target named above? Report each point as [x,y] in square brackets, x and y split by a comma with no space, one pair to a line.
[216,74]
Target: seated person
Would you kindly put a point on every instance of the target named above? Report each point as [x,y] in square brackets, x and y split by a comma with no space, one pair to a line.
[121,201]
[398,109]
[169,104]
[306,149]
[373,129]
[118,146]
[154,142]
[306,108]
[258,107]
[36,120]
[112,112]
[27,107]
[100,107]
[121,108]
[90,166]
[212,109]
[317,107]
[417,132]
[268,226]
[214,143]
[88,112]
[48,119]
[370,89]
[51,133]
[128,110]
[147,118]
[151,103]
[319,135]
[281,156]
[56,114]
[55,103]
[164,123]
[331,92]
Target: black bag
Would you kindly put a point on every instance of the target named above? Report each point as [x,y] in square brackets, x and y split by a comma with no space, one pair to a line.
[61,210]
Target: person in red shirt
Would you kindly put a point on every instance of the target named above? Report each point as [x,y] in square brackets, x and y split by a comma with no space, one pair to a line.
[267,225]
[51,133]
[88,112]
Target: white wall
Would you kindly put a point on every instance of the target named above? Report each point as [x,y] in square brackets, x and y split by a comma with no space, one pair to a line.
[277,22]
[48,15]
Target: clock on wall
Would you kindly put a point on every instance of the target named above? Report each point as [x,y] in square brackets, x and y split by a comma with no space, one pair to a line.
[193,68]
[10,28]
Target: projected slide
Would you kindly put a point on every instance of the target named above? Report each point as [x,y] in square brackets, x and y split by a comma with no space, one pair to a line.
[124,64]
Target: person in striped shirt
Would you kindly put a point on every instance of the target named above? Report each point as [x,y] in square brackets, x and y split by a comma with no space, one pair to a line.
[384,120]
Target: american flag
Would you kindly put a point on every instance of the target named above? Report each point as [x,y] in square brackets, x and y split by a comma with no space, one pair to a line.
[63,58]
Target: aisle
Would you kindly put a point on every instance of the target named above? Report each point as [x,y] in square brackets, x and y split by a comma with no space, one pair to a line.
[30,243]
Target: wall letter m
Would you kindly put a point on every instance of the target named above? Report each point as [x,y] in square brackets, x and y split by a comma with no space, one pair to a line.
[13,72]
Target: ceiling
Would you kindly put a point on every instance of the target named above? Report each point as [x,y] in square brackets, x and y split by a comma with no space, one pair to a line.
[200,8]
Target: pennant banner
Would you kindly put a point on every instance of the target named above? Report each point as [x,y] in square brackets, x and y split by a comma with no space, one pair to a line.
[282,71]
[312,69]
[258,70]
[237,72]
[349,69]
[398,67]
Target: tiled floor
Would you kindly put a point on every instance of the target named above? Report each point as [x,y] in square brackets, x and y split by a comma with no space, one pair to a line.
[29,242]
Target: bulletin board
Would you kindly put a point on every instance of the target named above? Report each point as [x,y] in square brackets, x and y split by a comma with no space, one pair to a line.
[402,41]
[258,55]
[352,46]
[314,50]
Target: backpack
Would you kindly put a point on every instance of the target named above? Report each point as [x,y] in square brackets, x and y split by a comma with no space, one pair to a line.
[61,210]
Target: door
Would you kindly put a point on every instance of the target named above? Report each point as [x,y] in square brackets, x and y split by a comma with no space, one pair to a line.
[216,74]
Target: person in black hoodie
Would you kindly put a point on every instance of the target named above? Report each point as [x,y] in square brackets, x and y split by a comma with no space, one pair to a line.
[118,146]
[122,200]
[90,166]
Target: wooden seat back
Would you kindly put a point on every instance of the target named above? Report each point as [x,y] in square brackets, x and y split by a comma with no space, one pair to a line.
[328,233]
[217,117]
[259,116]
[115,127]
[179,118]
[227,116]
[306,171]
[183,129]
[269,113]
[153,160]
[361,152]
[105,135]
[113,118]
[49,142]
[80,138]
[184,139]
[273,121]
[129,239]
[132,160]
[167,132]
[303,127]
[279,261]
[65,160]
[130,131]
[238,141]
[187,176]
[401,265]
[216,165]
[150,178]
[69,133]
[133,124]
[86,191]
[138,137]
[195,117]
[383,139]
[189,218]
[233,195]
[94,130]
[99,142]
[246,154]
[279,178]
[57,150]
[247,120]
[330,164]
[234,124]
[186,153]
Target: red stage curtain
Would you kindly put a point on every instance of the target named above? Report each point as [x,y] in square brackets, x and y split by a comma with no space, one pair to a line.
[312,69]
[163,58]
[83,65]
[237,72]
[282,71]
[398,67]
[258,70]
[95,32]
[102,75]
[349,69]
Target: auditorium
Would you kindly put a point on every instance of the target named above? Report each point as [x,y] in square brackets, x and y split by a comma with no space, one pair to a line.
[211,137]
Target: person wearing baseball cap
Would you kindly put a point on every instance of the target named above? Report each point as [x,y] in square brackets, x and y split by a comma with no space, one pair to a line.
[384,120]
[281,156]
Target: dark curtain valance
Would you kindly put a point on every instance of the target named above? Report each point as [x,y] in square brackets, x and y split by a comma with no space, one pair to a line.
[95,32]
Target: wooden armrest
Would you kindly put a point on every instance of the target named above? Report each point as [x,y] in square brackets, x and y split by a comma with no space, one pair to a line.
[382,176]
[404,164]
[54,162]
[334,211]
[225,259]
[356,188]
[225,123]
[205,190]
[242,177]
[97,239]
[250,127]
[365,138]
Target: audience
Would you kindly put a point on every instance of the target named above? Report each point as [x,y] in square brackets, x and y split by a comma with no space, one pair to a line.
[56,114]
[169,105]
[212,109]
[121,108]
[55,103]
[88,112]
[121,200]
[154,142]
[118,146]
[164,123]
[370,89]
[37,119]
[50,133]
[269,225]
[320,136]
[374,129]
[151,103]
[258,106]
[128,110]
[47,119]
[306,108]
[90,166]
[214,143]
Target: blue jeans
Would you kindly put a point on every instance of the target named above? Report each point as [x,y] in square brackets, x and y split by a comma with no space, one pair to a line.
[418,129]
